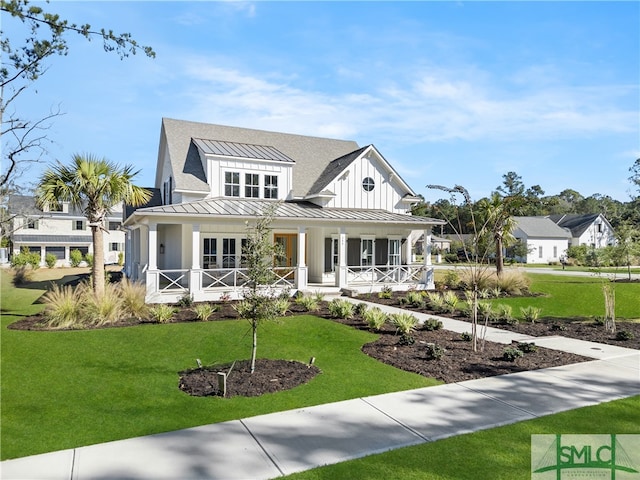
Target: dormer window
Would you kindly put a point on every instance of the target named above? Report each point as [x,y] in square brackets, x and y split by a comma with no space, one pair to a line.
[252,185]
[270,186]
[368,184]
[231,184]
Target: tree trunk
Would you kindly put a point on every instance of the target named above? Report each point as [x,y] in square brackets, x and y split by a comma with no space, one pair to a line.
[499,256]
[254,348]
[98,260]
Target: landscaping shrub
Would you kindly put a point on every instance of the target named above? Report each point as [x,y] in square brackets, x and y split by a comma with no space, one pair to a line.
[281,306]
[504,313]
[50,260]
[510,354]
[405,324]
[26,258]
[88,257]
[162,313]
[121,258]
[496,292]
[103,309]
[451,278]
[558,327]
[526,347]
[63,306]
[431,324]
[386,292]
[465,309]
[319,296]
[450,302]
[513,283]
[339,308]
[466,336]
[203,311]
[415,299]
[485,311]
[375,318]
[186,300]
[435,302]
[434,351]
[133,299]
[530,314]
[361,309]
[75,257]
[308,303]
[624,335]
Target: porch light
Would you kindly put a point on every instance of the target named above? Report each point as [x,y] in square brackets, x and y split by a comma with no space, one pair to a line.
[162,248]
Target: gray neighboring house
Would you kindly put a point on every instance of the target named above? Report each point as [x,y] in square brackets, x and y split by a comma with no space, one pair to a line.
[546,242]
[592,229]
[58,232]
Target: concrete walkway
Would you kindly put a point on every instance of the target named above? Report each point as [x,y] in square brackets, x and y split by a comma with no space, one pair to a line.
[282,443]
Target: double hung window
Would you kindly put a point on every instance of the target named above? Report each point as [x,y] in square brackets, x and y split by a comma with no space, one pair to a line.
[209,253]
[231,184]
[252,185]
[366,252]
[270,186]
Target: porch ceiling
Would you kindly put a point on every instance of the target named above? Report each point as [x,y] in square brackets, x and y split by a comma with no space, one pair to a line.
[225,208]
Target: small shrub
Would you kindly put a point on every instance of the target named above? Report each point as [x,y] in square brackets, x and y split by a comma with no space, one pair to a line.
[405,323]
[435,301]
[162,313]
[452,278]
[530,314]
[525,347]
[558,327]
[319,296]
[432,324]
[415,299]
[121,258]
[203,311]
[484,293]
[50,260]
[243,309]
[63,306]
[225,297]
[386,292]
[186,301]
[88,257]
[308,303]
[361,309]
[624,335]
[281,306]
[510,354]
[466,336]
[26,258]
[133,299]
[599,321]
[450,300]
[465,309]
[75,257]
[496,292]
[339,308]
[513,283]
[105,309]
[375,318]
[485,311]
[504,313]
[434,351]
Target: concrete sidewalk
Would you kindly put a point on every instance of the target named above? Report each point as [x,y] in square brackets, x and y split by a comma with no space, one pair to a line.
[282,443]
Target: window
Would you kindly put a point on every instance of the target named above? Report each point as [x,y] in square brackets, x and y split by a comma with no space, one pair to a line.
[555,251]
[368,184]
[57,251]
[335,258]
[540,252]
[32,224]
[270,186]
[394,252]
[78,225]
[366,252]
[167,192]
[209,253]
[231,184]
[114,225]
[599,226]
[252,185]
[228,253]
[116,247]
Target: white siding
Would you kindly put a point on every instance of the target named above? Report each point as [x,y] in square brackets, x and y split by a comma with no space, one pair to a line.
[546,246]
[218,166]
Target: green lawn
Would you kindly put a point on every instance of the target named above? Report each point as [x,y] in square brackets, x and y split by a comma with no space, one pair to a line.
[499,454]
[71,388]
[576,297]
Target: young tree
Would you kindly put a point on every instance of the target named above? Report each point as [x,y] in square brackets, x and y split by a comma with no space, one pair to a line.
[94,186]
[261,295]
[24,61]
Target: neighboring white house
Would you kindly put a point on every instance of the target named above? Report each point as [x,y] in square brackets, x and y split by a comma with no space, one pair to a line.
[59,232]
[546,242]
[343,214]
[593,229]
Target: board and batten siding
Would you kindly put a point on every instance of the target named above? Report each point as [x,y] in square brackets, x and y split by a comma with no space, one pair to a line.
[386,194]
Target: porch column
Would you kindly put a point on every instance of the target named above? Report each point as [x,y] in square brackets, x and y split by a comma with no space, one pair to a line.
[427,276]
[302,270]
[195,275]
[341,269]
[152,276]
[407,250]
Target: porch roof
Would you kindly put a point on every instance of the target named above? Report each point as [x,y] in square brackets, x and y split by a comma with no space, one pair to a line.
[290,210]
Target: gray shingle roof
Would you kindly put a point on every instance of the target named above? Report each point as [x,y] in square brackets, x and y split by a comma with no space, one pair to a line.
[311,154]
[577,223]
[540,227]
[295,210]
[334,169]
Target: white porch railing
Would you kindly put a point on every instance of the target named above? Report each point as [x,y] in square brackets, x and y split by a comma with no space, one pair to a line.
[236,278]
[171,281]
[396,274]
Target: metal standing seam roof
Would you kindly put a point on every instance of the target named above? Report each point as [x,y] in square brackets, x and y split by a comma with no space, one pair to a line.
[223,207]
[66,239]
[241,150]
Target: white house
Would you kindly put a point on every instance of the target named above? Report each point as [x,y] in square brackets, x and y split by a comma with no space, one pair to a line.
[546,242]
[343,214]
[593,229]
[60,232]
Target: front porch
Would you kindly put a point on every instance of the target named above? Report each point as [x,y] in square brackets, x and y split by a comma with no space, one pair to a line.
[169,286]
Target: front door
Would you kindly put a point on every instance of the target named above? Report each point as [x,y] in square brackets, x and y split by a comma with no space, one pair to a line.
[288,248]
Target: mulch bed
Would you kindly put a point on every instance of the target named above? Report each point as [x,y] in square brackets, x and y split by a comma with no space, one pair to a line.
[459,362]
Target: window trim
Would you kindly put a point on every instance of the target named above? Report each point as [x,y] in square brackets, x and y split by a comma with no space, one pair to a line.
[367,257]
[252,185]
[368,184]
[230,185]
[271,186]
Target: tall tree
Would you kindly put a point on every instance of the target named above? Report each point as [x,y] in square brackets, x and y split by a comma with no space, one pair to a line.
[635,174]
[94,186]
[512,185]
[497,220]
[24,61]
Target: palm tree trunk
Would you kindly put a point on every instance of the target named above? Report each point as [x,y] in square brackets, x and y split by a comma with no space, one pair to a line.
[98,260]
[499,256]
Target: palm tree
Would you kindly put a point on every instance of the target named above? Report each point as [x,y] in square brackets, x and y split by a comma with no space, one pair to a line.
[498,222]
[93,185]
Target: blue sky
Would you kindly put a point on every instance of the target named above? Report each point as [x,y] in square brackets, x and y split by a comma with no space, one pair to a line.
[449,92]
